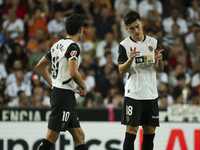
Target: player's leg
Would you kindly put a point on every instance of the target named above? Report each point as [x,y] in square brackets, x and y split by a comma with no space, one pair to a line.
[49,140]
[150,121]
[130,137]
[148,137]
[78,138]
[131,114]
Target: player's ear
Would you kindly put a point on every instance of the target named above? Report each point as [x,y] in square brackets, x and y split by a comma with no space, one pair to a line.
[81,30]
[142,23]
[127,28]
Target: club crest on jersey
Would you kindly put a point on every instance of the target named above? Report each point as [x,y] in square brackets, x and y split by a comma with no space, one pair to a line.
[73,53]
[63,124]
[127,118]
[150,48]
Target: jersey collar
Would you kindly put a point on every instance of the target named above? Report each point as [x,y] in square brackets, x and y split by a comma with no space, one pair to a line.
[136,41]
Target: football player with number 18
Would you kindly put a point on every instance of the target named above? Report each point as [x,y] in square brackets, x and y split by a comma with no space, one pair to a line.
[139,59]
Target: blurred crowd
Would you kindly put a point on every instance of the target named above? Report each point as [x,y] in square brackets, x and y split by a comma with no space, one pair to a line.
[30,27]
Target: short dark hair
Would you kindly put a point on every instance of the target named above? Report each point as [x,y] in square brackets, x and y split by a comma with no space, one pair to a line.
[131,17]
[73,23]
[181,77]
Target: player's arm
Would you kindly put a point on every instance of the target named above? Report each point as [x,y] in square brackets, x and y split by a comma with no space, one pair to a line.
[74,73]
[159,61]
[72,55]
[42,68]
[124,63]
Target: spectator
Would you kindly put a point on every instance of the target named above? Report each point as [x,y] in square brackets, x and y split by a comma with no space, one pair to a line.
[36,56]
[13,27]
[85,8]
[33,44]
[109,100]
[88,63]
[181,92]
[6,49]
[174,52]
[2,36]
[46,98]
[162,102]
[66,7]
[19,9]
[13,89]
[193,13]
[17,54]
[165,98]
[43,4]
[122,6]
[86,46]
[152,23]
[38,19]
[175,18]
[56,27]
[23,99]
[107,22]
[37,90]
[179,69]
[195,82]
[118,100]
[171,38]
[17,65]
[192,47]
[107,45]
[88,79]
[113,80]
[168,6]
[123,30]
[190,38]
[90,101]
[145,6]
[195,59]
[99,4]
[3,74]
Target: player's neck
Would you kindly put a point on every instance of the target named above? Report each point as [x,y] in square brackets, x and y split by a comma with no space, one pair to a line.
[140,38]
[73,37]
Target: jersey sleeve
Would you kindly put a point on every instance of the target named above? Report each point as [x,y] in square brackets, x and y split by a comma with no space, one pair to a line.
[122,58]
[72,52]
[48,55]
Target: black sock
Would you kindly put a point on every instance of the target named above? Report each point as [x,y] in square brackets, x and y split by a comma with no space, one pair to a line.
[129,141]
[46,145]
[147,143]
[81,147]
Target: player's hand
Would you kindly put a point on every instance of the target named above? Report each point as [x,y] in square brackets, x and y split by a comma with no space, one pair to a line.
[82,92]
[158,54]
[133,53]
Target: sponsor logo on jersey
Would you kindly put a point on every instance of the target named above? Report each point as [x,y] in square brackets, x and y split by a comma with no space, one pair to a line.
[73,53]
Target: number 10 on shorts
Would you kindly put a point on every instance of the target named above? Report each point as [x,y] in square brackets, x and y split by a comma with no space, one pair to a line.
[129,110]
[65,116]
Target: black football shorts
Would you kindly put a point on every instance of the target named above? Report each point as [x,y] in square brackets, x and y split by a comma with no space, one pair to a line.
[140,112]
[63,115]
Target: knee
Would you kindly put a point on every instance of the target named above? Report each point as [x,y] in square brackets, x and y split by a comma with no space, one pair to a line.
[52,138]
[148,130]
[131,130]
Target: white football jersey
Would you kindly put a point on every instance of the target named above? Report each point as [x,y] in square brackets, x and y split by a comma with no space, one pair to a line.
[61,52]
[141,78]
